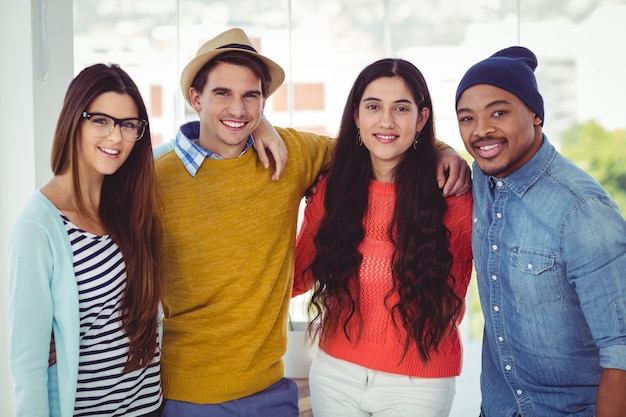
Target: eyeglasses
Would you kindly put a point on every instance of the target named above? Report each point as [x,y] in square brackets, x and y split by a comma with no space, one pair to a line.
[101,125]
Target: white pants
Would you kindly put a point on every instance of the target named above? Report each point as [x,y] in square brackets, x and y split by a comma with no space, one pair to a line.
[344,389]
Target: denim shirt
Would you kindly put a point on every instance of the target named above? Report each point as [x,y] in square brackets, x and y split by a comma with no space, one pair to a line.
[549,249]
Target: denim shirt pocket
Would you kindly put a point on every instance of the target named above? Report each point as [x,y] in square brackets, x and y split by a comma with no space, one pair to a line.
[534,278]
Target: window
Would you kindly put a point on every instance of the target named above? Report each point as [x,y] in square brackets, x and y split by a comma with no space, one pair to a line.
[322,46]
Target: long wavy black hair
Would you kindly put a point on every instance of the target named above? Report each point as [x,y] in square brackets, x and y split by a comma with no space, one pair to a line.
[428,306]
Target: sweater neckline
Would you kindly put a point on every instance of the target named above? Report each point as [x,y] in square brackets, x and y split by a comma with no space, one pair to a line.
[382,187]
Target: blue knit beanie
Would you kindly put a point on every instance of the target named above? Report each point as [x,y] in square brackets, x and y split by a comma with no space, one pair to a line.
[511,69]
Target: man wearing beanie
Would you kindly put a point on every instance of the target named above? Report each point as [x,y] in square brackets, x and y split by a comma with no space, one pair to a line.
[229,239]
[549,249]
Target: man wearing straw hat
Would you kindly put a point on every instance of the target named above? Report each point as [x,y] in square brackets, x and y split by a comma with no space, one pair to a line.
[230,239]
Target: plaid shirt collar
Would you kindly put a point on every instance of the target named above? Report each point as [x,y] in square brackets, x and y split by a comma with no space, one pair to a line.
[190,153]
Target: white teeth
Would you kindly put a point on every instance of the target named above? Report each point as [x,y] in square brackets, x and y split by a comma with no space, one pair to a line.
[233,124]
[110,151]
[385,137]
[488,147]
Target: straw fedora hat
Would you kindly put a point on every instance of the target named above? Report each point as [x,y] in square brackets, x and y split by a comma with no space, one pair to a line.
[231,40]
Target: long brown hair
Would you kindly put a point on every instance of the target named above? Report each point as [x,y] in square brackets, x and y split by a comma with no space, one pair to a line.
[427,306]
[129,206]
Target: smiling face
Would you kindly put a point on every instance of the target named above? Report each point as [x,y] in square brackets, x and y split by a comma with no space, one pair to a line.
[100,156]
[230,108]
[388,118]
[498,129]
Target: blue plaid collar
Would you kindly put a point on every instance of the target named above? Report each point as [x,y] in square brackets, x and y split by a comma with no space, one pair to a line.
[193,155]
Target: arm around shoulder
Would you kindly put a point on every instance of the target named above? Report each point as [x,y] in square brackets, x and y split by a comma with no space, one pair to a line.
[305,242]
[309,151]
[454,176]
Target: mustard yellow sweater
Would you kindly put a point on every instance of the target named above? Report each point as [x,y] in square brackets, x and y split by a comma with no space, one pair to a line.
[229,264]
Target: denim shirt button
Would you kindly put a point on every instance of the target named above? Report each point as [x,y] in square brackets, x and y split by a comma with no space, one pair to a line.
[499,183]
[496,308]
[519,392]
[494,247]
[500,338]
[475,219]
[494,278]
[499,215]
[508,367]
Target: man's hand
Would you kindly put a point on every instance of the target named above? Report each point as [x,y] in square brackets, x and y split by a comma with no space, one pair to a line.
[611,401]
[265,136]
[453,173]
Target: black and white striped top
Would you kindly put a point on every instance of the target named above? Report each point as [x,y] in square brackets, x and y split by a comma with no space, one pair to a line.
[103,389]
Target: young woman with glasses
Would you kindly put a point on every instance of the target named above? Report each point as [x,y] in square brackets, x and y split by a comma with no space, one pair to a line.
[84,273]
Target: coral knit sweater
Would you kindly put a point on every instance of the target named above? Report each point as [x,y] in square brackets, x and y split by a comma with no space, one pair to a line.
[229,258]
[380,346]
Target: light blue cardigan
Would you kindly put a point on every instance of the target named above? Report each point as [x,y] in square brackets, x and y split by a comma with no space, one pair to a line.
[43,297]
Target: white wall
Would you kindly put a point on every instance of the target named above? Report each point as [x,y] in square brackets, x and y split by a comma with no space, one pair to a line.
[29,105]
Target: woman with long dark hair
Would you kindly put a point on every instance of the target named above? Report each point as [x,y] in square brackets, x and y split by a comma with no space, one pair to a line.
[83,259]
[388,257]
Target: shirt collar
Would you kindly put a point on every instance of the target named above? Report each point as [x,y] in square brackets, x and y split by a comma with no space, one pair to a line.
[522,179]
[193,155]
